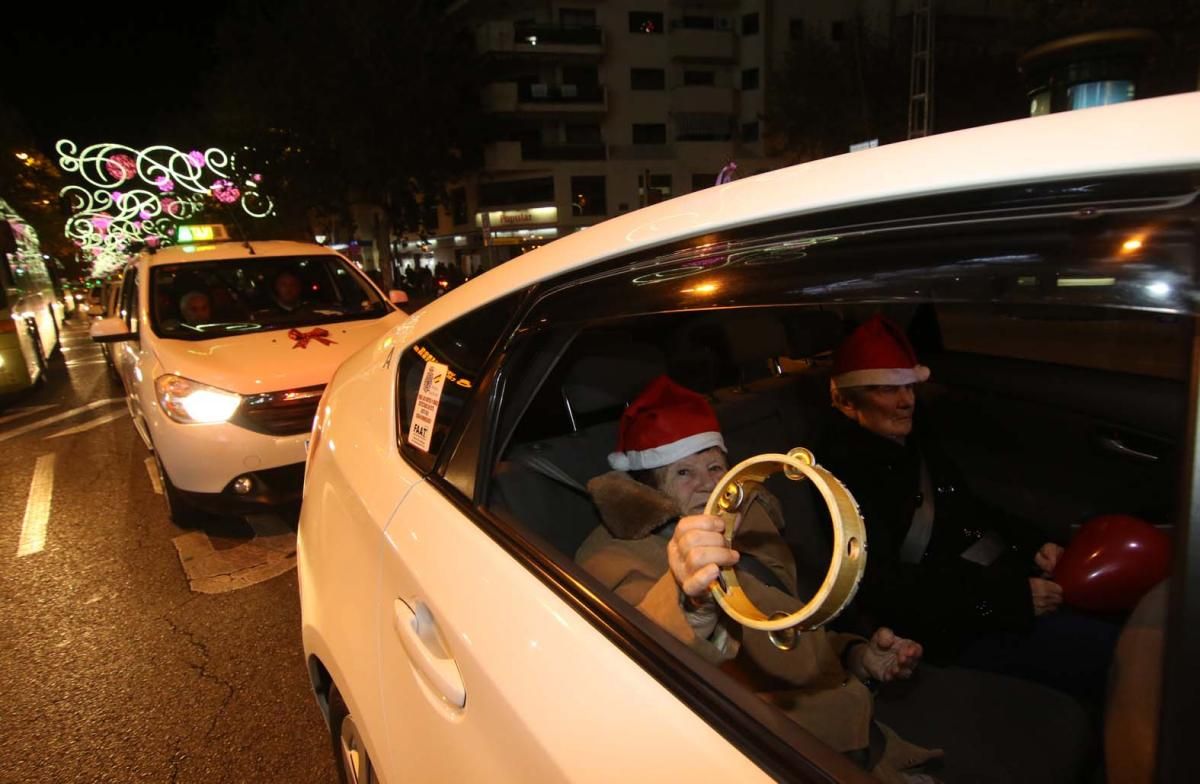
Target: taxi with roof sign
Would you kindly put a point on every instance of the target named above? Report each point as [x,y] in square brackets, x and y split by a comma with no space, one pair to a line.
[224,348]
[1044,269]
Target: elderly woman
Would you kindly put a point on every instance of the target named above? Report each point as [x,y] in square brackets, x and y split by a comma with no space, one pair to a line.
[659,552]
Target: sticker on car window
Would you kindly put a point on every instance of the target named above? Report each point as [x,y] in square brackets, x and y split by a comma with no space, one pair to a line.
[429,397]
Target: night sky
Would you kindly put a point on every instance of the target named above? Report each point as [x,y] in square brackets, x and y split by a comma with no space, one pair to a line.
[107,73]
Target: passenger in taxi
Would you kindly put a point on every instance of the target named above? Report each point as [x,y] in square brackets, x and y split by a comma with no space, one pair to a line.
[286,291]
[658,551]
[195,308]
[972,582]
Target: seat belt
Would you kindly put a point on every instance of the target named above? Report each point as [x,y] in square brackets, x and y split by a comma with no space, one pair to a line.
[912,549]
[546,468]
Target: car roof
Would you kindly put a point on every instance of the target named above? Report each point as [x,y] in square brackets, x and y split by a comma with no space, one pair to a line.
[217,251]
[1144,136]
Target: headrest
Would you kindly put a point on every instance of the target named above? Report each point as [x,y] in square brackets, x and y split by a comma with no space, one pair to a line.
[609,380]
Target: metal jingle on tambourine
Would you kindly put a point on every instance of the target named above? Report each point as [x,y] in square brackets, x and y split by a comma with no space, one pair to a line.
[846,565]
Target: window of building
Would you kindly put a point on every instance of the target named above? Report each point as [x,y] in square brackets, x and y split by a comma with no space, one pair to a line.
[796,30]
[458,206]
[647,79]
[750,79]
[660,188]
[702,181]
[699,78]
[588,196]
[645,22]
[837,31]
[649,133]
[577,17]
[698,22]
[750,24]
[750,131]
[495,194]
[582,133]
[703,127]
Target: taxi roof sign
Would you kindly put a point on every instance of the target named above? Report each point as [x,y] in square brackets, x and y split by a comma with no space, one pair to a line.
[204,232]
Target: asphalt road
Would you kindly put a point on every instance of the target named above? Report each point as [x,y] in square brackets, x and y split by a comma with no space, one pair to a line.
[114,668]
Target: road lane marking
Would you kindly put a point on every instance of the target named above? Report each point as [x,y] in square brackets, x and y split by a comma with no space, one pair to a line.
[89,425]
[152,469]
[20,431]
[23,412]
[37,508]
[270,553]
[77,363]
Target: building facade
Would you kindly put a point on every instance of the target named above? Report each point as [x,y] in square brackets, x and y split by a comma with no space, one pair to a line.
[598,107]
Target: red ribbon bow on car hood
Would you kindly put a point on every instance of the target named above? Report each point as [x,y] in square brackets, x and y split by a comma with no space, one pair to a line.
[302,338]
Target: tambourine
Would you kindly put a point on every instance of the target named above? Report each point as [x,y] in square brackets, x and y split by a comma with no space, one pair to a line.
[846,566]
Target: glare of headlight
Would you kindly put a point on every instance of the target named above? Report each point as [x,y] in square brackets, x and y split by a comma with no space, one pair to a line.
[1132,244]
[1159,289]
[190,402]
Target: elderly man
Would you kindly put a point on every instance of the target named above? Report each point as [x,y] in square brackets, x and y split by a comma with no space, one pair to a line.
[195,308]
[971,582]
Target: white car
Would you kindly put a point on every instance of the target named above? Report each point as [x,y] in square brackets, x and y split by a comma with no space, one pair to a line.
[1046,270]
[222,375]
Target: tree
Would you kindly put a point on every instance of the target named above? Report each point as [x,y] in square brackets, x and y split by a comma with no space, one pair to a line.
[829,96]
[30,182]
[368,99]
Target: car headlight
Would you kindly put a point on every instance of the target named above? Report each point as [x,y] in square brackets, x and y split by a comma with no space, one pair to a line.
[190,402]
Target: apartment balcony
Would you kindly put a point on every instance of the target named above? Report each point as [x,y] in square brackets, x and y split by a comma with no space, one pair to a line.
[502,156]
[706,99]
[640,152]
[563,152]
[701,45]
[551,100]
[509,156]
[509,39]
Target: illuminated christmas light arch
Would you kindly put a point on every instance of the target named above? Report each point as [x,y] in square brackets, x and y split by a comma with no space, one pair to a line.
[132,197]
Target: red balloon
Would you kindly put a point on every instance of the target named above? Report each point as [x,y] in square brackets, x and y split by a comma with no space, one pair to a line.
[1112,562]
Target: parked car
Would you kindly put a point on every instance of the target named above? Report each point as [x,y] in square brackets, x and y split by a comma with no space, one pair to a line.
[1046,271]
[225,348]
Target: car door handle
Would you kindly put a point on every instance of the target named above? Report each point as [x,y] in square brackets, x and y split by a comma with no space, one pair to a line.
[1117,447]
[423,643]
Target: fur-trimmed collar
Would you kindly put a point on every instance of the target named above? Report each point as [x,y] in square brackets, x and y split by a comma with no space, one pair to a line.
[628,508]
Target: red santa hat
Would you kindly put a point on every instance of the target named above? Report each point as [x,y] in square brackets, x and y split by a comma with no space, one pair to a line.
[877,353]
[665,423]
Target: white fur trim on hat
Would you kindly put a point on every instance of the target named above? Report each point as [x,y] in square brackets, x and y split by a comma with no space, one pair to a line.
[883,377]
[667,453]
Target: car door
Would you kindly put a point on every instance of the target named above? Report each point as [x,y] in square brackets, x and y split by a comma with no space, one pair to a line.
[1092,410]
[128,355]
[486,672]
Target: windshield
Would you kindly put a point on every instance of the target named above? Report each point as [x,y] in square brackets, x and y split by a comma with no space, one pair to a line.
[196,301]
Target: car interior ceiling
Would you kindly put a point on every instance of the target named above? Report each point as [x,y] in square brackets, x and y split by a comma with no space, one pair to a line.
[766,372]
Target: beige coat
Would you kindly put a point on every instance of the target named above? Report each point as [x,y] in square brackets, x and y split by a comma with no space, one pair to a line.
[809,682]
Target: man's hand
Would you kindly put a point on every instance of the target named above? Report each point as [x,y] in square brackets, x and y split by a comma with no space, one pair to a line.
[1047,595]
[1047,558]
[886,657]
[697,552]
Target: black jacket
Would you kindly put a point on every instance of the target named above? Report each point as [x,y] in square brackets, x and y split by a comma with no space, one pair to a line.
[944,600]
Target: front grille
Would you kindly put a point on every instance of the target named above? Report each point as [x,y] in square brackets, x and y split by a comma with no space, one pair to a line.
[282,413]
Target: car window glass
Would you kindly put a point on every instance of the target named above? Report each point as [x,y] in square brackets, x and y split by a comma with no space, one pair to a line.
[129,299]
[201,300]
[1058,355]
[440,372]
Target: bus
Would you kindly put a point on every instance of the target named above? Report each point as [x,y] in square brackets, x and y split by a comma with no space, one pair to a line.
[30,314]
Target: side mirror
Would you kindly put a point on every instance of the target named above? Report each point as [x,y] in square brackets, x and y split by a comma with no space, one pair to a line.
[398,297]
[110,330]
